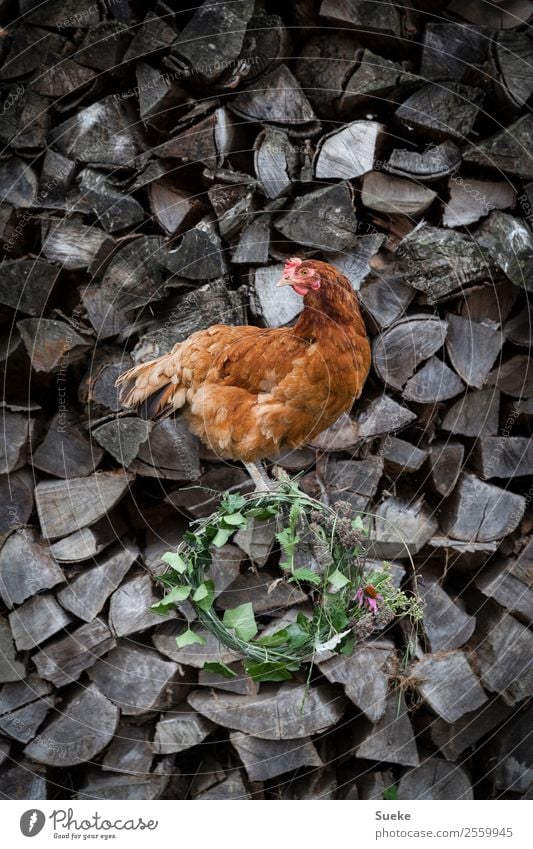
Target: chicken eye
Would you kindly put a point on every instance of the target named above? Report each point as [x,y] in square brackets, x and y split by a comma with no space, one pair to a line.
[304,271]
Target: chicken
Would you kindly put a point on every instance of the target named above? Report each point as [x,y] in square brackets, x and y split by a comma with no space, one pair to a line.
[250,392]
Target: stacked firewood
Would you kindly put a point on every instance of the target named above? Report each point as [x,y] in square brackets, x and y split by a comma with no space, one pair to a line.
[157,169]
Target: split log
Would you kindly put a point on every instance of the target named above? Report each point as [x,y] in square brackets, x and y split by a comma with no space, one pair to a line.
[123,437]
[242,684]
[510,243]
[101,134]
[26,567]
[401,456]
[508,583]
[435,779]
[130,750]
[453,739]
[445,464]
[164,639]
[498,16]
[181,732]
[74,245]
[134,278]
[438,262]
[315,785]
[386,298]
[266,759]
[66,450]
[260,590]
[203,499]
[480,511]
[433,383]
[504,658]
[401,528]
[381,416]
[27,284]
[391,738]
[446,625]
[84,727]
[63,661]
[395,196]
[373,785]
[104,45]
[88,591]
[105,318]
[400,349]
[159,95]
[275,307]
[380,22]
[441,111]
[18,183]
[172,207]
[213,31]
[11,669]
[115,210]
[23,711]
[504,456]
[374,80]
[472,349]
[154,35]
[433,675]
[519,328]
[276,161]
[473,199]
[208,141]
[355,481]
[436,162]
[365,676]
[507,150]
[277,714]
[19,431]
[88,500]
[452,51]
[137,679]
[256,540]
[490,304]
[37,619]
[322,66]
[88,542]
[514,377]
[475,414]
[512,756]
[232,787]
[265,105]
[321,219]
[349,152]
[22,780]
[16,500]
[51,345]
[129,607]
[171,452]
[128,787]
[200,255]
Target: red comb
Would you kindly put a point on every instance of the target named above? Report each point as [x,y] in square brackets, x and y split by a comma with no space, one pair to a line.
[292,264]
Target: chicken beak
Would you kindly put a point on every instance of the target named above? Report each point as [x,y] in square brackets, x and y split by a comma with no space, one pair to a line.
[285,281]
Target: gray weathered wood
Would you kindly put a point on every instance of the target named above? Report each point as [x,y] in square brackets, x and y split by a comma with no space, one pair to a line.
[472,199]
[266,759]
[514,377]
[122,437]
[322,219]
[277,713]
[504,658]
[111,786]
[446,625]
[395,196]
[63,661]
[348,152]
[441,111]
[504,456]
[475,414]
[365,676]
[435,779]
[26,567]
[66,506]
[472,349]
[129,607]
[391,738]
[37,619]
[11,669]
[402,347]
[452,739]
[164,639]
[507,150]
[432,383]
[84,727]
[479,511]
[180,732]
[171,452]
[433,675]
[401,528]
[130,750]
[508,583]
[66,450]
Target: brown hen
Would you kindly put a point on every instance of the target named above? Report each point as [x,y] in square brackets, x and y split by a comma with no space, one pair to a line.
[249,392]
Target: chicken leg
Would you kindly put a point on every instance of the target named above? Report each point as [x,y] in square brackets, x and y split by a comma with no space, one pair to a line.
[260,477]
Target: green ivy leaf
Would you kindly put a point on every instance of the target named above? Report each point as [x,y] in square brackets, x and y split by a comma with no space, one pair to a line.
[189,638]
[232,502]
[357,524]
[261,513]
[391,793]
[242,620]
[273,641]
[175,596]
[220,669]
[338,580]
[236,519]
[175,561]
[222,536]
[267,671]
[204,595]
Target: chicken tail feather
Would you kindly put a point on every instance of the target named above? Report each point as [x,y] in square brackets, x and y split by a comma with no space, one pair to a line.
[155,385]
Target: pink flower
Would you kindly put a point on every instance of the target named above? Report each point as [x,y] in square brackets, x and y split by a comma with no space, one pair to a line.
[291,265]
[368,596]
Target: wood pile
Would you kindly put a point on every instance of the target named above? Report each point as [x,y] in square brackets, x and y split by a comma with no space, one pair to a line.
[157,168]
